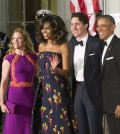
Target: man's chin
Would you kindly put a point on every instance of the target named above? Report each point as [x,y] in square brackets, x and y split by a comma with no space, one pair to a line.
[75,35]
[101,37]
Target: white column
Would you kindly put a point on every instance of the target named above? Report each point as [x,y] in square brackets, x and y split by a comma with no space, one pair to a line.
[113,8]
[64,13]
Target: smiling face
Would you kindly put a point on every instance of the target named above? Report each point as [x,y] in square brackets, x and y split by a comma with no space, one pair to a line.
[105,28]
[47,31]
[78,29]
[18,41]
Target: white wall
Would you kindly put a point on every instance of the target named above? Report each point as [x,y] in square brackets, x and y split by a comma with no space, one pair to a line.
[113,8]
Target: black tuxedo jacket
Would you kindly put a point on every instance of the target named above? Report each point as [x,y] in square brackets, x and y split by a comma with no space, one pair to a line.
[92,69]
[111,76]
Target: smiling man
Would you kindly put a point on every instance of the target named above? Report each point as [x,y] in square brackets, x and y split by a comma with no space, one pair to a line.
[110,72]
[85,55]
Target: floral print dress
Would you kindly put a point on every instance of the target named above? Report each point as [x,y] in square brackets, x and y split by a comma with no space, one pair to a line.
[55,111]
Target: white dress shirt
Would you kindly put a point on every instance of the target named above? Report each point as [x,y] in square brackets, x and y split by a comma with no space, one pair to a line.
[106,46]
[79,53]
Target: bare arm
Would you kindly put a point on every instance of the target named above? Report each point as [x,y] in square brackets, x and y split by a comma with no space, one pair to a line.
[37,69]
[65,61]
[4,83]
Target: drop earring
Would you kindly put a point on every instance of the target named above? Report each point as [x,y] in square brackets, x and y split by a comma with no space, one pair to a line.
[25,46]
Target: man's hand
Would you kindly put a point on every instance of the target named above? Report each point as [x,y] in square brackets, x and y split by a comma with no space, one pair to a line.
[117,111]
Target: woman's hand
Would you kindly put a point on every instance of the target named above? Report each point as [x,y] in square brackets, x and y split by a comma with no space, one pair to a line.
[4,108]
[54,62]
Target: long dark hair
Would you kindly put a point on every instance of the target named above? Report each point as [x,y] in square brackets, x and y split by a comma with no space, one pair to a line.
[59,31]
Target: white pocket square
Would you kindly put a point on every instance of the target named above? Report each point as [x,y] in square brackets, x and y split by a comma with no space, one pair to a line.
[91,54]
[109,58]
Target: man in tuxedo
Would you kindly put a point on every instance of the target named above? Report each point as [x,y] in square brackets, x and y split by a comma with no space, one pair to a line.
[110,72]
[85,55]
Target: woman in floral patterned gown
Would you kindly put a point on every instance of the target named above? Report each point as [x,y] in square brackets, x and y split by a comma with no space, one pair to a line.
[53,114]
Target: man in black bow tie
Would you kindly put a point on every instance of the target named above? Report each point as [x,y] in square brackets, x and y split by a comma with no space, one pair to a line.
[111,72]
[79,43]
[85,52]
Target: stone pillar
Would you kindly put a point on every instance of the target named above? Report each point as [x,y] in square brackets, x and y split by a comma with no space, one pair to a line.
[64,13]
[115,12]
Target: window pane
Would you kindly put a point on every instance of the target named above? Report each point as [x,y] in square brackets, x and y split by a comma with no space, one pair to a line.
[13,26]
[15,10]
[22,12]
[32,6]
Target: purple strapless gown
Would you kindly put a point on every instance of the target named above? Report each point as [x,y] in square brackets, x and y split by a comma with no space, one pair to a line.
[20,93]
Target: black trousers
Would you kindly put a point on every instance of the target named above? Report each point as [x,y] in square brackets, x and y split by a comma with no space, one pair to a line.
[113,124]
[88,117]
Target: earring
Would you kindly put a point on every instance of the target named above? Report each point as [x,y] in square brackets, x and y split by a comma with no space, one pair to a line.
[26,46]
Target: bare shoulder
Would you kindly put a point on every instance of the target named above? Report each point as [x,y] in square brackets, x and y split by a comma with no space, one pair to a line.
[64,48]
[41,46]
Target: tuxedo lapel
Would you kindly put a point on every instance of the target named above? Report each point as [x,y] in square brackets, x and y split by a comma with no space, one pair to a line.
[72,47]
[89,45]
[108,51]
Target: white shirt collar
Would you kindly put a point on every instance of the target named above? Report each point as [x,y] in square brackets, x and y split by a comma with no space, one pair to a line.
[109,39]
[84,39]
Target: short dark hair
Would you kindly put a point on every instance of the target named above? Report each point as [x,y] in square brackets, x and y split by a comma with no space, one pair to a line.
[108,17]
[82,17]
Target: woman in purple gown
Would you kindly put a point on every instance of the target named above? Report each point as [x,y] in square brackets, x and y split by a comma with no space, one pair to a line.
[19,67]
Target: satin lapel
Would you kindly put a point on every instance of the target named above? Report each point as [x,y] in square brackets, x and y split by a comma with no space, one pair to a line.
[101,65]
[72,47]
[89,45]
[108,51]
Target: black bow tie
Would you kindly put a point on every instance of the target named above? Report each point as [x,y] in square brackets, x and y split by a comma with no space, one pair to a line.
[79,43]
[105,43]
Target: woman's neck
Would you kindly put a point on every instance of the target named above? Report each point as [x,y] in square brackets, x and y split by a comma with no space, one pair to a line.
[50,42]
[20,52]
